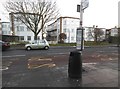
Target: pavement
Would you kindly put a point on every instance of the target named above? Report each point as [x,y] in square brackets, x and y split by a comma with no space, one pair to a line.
[94,75]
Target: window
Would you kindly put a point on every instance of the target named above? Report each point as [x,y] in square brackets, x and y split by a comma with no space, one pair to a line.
[38,37]
[72,30]
[21,28]
[28,37]
[28,29]
[4,26]
[65,30]
[65,22]
[17,28]
[4,32]
[72,38]
[21,38]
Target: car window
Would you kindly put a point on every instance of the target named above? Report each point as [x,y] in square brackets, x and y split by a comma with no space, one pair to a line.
[43,41]
[38,41]
[34,42]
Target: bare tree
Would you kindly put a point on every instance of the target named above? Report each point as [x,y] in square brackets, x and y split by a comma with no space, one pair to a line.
[98,34]
[90,33]
[95,33]
[34,14]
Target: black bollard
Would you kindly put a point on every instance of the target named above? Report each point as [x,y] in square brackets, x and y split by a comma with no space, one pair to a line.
[75,65]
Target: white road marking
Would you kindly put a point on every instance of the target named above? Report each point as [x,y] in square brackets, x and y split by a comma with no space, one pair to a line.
[92,63]
[1,69]
[14,56]
[61,53]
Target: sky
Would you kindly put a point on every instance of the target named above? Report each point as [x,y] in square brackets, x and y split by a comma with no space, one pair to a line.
[102,13]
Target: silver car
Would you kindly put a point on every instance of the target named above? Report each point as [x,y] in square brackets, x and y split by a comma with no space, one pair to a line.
[37,44]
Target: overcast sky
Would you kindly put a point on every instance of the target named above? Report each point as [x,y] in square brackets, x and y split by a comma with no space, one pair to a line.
[103,13]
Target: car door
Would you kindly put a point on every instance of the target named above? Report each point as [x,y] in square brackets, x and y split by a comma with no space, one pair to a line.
[35,45]
[41,44]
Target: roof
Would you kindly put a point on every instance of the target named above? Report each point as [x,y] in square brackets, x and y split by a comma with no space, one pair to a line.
[63,18]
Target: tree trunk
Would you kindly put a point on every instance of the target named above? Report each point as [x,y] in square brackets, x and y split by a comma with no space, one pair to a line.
[35,36]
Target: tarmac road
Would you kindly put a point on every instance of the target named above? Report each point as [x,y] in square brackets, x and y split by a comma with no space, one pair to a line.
[37,68]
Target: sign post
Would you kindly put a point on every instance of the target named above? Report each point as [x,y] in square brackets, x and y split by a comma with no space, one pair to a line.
[80,30]
[75,58]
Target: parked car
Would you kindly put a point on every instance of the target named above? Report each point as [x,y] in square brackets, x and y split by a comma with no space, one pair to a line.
[38,44]
[4,45]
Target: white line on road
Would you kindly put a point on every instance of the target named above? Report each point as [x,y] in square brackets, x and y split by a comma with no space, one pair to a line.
[14,56]
[4,68]
[60,53]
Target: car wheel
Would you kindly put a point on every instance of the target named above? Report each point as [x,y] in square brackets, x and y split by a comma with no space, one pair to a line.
[28,48]
[46,47]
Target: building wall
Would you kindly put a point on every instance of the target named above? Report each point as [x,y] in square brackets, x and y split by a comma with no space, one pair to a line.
[114,32]
[20,30]
[67,25]
[24,33]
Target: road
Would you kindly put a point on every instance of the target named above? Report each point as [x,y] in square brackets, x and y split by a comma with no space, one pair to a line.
[57,51]
[19,64]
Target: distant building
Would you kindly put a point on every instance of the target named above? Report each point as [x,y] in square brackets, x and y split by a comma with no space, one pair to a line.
[89,33]
[67,25]
[22,31]
[6,32]
[114,32]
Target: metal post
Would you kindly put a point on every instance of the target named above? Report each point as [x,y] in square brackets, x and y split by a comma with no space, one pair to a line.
[80,30]
[81,15]
[81,22]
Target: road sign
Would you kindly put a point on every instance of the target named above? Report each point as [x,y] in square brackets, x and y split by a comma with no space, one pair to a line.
[78,8]
[80,39]
[85,4]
